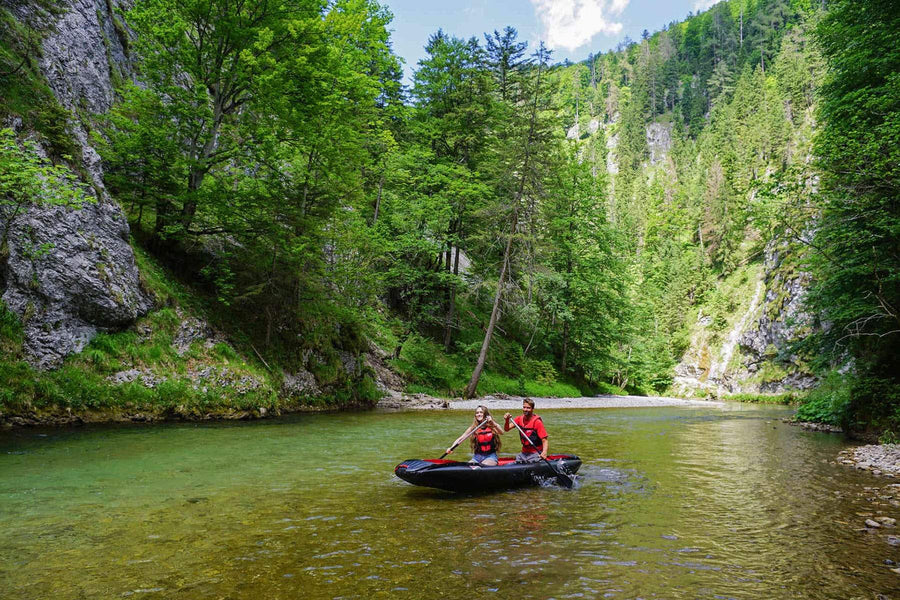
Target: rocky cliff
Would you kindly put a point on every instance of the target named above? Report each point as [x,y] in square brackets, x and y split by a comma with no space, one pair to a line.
[753,356]
[84,279]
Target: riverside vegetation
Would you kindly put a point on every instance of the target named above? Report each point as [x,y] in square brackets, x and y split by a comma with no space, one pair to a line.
[505,224]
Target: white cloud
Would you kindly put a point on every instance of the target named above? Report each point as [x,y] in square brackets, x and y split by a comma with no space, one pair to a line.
[571,24]
[701,5]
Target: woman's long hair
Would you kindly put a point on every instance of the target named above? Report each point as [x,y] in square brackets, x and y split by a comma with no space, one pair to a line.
[493,427]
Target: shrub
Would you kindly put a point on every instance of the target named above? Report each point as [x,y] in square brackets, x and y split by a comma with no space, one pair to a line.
[424,363]
[830,402]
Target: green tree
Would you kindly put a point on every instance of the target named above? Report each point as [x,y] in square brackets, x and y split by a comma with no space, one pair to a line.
[206,60]
[586,289]
[455,110]
[856,264]
[519,175]
[27,179]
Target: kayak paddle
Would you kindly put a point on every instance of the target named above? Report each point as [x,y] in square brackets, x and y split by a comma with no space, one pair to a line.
[561,478]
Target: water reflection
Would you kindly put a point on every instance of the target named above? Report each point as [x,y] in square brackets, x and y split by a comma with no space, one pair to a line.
[670,503]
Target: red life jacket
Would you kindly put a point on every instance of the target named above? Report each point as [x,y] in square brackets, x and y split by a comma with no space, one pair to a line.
[485,442]
[532,434]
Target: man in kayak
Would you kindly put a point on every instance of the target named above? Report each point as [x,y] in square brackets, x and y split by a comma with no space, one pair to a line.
[533,427]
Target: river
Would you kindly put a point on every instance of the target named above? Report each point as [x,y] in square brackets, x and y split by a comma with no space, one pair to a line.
[671,503]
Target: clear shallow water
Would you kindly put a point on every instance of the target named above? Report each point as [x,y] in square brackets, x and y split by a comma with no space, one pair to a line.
[672,503]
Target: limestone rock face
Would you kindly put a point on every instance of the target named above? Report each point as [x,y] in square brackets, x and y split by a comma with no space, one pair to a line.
[771,321]
[75,60]
[782,322]
[612,167]
[659,141]
[70,272]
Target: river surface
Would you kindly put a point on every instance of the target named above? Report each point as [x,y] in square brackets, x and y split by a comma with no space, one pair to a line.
[670,503]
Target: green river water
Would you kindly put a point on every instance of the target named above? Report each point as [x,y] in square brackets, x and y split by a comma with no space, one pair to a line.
[670,503]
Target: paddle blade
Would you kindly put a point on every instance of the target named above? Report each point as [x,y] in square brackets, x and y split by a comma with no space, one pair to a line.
[561,478]
[564,480]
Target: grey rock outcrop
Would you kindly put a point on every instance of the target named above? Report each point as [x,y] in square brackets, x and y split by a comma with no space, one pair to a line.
[79,55]
[300,384]
[781,322]
[659,141]
[193,330]
[612,166]
[70,272]
[772,320]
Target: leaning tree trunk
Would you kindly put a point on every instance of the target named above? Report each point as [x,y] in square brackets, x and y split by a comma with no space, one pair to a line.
[495,312]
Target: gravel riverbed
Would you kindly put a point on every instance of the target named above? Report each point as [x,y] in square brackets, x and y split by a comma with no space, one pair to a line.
[605,401]
[880,460]
[503,402]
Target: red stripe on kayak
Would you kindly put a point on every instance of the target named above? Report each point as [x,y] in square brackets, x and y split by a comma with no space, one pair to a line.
[505,460]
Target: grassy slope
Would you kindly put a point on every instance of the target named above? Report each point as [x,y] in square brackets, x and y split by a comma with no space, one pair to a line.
[141,373]
[208,379]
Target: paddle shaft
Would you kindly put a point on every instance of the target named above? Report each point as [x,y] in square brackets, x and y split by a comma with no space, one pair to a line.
[454,446]
[563,479]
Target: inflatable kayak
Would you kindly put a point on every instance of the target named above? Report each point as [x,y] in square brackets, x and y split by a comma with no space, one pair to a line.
[457,476]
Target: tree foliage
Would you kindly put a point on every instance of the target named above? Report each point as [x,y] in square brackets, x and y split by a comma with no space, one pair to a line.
[856,263]
[570,220]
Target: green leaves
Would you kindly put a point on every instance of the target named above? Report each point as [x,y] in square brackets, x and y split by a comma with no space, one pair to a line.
[27,178]
[854,258]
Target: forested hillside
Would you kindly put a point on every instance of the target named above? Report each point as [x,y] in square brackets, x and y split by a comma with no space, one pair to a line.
[700,127]
[668,216]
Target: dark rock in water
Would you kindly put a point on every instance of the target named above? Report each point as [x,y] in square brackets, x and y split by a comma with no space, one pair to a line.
[813,426]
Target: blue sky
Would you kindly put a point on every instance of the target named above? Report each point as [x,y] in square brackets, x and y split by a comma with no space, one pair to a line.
[573,28]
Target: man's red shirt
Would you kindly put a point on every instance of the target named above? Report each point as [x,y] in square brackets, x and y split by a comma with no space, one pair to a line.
[536,424]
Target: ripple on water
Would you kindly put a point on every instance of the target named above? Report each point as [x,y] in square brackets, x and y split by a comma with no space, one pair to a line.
[143,591]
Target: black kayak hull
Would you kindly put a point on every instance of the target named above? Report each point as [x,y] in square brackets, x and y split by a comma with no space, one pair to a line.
[456,476]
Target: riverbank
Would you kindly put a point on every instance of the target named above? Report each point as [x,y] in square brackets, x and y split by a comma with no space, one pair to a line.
[55,416]
[504,402]
[878,459]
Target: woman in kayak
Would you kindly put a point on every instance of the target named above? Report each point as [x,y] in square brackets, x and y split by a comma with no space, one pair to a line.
[485,440]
